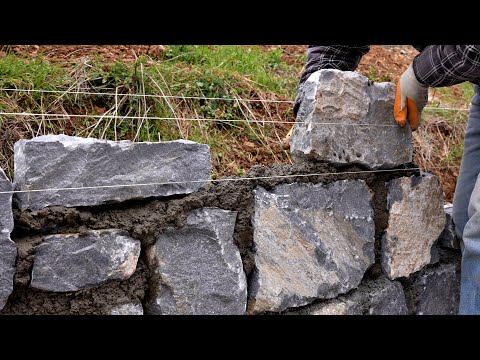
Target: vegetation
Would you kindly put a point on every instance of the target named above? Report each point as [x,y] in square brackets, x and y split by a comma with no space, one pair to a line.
[196,92]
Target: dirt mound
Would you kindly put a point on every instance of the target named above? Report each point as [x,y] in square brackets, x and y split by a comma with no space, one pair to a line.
[111,53]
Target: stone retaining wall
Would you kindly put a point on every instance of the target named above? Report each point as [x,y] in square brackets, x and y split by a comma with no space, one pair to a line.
[343,240]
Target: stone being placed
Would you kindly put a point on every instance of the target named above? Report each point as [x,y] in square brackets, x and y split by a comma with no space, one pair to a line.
[8,250]
[344,119]
[448,238]
[198,269]
[416,219]
[311,241]
[71,262]
[60,161]
[131,308]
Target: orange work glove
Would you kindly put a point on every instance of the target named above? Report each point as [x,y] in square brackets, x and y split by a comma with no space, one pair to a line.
[410,99]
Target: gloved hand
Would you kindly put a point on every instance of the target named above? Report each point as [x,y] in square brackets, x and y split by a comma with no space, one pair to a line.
[410,99]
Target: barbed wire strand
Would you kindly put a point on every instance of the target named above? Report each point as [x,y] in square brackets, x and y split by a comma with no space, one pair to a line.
[219,180]
[147,95]
[188,97]
[57,117]
[66,116]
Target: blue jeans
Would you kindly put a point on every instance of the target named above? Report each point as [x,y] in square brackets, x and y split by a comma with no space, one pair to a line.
[466,212]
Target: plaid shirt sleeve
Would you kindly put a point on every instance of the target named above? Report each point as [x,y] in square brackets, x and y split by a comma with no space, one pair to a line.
[341,57]
[446,65]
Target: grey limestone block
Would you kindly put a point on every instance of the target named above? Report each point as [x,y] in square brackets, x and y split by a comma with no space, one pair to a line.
[71,262]
[416,219]
[346,119]
[311,241]
[8,250]
[197,269]
[98,166]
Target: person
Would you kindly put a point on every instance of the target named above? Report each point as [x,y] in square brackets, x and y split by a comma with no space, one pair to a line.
[433,66]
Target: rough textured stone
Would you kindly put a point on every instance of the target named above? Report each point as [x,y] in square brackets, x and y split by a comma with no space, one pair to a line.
[448,237]
[8,250]
[131,308]
[439,291]
[8,254]
[310,241]
[373,297]
[60,161]
[387,299]
[72,262]
[198,268]
[6,216]
[416,219]
[346,97]
[336,307]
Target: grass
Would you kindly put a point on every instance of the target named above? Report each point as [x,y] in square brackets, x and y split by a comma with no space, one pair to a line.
[138,111]
[438,142]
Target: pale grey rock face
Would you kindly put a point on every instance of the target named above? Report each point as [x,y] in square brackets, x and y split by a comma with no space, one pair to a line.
[416,219]
[8,254]
[131,308]
[8,250]
[336,307]
[6,215]
[373,297]
[330,124]
[310,242]
[198,269]
[448,238]
[73,262]
[60,161]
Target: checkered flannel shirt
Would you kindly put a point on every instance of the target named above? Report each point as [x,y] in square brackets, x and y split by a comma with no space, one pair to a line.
[435,65]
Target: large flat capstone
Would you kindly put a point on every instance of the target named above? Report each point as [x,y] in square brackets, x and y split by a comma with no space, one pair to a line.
[8,250]
[198,269]
[70,262]
[60,161]
[311,241]
[416,219]
[344,118]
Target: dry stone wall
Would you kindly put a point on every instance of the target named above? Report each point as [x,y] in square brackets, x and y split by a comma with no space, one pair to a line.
[339,241]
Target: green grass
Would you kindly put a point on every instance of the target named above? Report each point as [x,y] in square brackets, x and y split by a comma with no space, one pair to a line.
[223,72]
[264,68]
[36,73]
[468,91]
[375,76]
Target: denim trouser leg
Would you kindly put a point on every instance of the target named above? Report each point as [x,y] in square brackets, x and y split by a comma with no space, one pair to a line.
[466,212]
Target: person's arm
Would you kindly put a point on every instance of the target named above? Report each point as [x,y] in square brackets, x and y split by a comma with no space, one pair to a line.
[435,66]
[341,57]
[446,65]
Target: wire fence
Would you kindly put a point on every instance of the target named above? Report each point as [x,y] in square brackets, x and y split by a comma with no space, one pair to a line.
[46,116]
[212,180]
